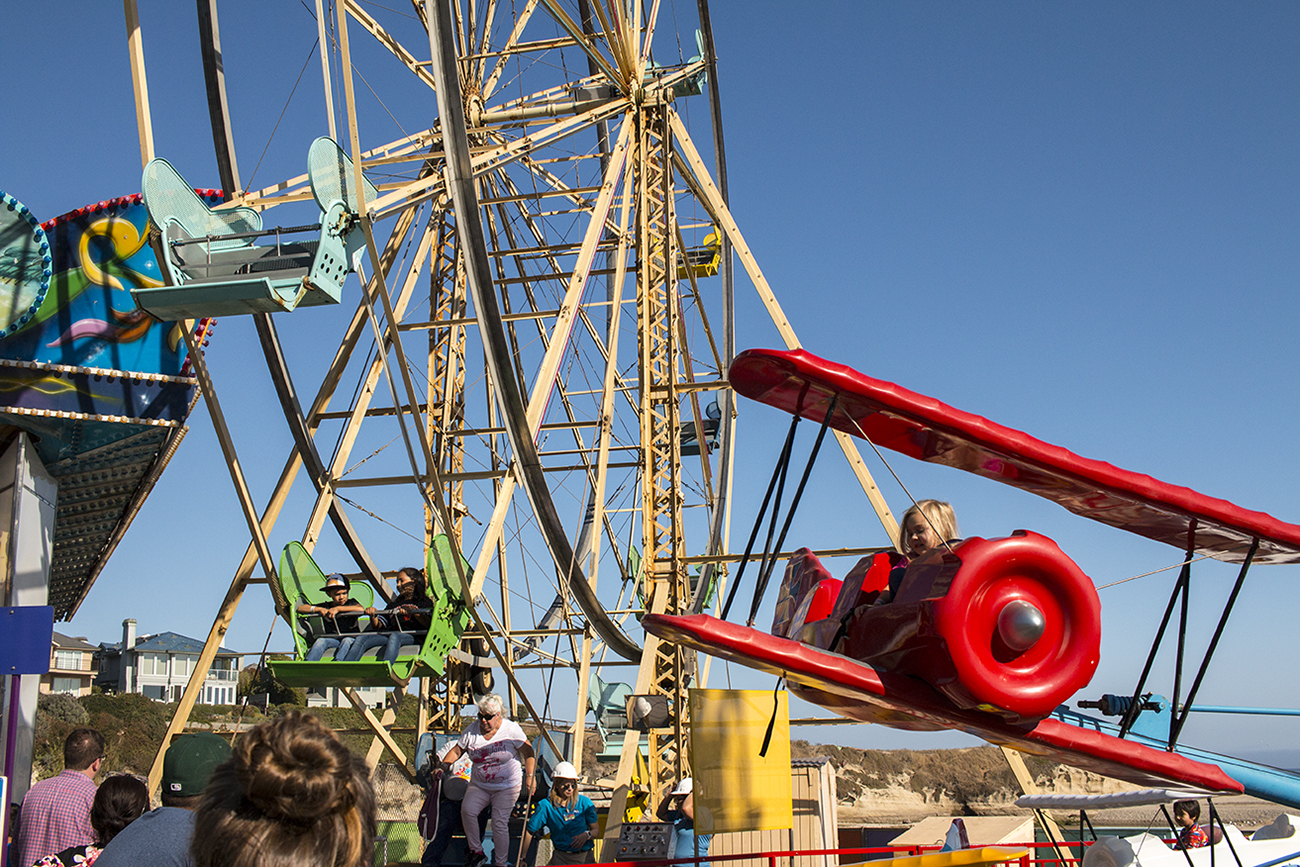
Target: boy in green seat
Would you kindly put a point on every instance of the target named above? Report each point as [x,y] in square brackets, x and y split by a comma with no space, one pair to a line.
[340,612]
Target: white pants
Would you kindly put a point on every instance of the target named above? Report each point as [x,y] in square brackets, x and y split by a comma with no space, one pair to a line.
[502,801]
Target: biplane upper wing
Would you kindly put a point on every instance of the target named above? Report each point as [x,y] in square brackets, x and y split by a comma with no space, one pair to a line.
[924,428]
[858,691]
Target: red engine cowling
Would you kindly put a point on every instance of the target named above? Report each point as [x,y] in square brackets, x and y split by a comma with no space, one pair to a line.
[1009,626]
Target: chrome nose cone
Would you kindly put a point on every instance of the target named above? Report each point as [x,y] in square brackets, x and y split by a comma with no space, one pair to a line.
[1021,625]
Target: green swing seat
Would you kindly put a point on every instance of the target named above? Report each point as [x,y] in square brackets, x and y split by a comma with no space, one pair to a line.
[301,577]
[216,268]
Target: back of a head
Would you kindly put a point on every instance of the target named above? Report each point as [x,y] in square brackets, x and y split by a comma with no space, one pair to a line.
[119,801]
[81,748]
[188,764]
[292,794]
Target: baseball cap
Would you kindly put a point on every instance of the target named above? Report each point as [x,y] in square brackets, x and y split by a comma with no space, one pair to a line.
[684,787]
[190,761]
[335,579]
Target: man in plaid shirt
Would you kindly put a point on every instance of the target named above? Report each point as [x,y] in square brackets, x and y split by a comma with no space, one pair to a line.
[56,812]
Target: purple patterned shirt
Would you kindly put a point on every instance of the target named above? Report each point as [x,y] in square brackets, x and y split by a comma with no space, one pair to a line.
[56,816]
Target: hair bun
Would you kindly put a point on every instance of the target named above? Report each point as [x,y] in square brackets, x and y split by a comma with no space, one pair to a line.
[295,770]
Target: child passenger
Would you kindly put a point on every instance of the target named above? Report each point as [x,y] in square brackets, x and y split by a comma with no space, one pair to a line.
[925,526]
[341,612]
[396,625]
[1190,834]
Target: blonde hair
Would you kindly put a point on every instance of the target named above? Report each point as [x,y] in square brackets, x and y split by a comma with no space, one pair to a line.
[939,514]
[291,795]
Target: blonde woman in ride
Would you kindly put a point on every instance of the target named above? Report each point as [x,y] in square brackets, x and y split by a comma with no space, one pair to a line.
[502,764]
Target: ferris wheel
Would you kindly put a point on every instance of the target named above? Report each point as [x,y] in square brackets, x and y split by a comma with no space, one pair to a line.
[536,358]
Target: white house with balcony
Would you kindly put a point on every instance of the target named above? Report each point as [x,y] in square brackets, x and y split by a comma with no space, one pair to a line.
[159,667]
[73,666]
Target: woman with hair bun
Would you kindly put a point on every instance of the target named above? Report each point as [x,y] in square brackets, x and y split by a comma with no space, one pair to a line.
[291,795]
[119,801]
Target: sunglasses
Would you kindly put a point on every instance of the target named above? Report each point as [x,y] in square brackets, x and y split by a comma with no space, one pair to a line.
[486,717]
[565,784]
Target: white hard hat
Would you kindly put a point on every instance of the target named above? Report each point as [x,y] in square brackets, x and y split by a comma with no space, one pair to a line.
[684,787]
[564,771]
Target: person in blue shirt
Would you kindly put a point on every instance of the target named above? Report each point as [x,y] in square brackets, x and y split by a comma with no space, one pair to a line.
[570,817]
[679,809]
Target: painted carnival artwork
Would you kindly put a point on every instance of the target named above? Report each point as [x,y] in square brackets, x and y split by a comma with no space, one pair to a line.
[99,385]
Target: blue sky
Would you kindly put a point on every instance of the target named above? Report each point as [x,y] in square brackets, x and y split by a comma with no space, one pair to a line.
[1079,220]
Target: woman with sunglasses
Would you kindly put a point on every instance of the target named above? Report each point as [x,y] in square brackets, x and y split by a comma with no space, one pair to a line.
[570,818]
[502,764]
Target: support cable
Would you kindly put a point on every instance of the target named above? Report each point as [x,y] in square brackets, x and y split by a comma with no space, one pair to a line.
[770,556]
[777,473]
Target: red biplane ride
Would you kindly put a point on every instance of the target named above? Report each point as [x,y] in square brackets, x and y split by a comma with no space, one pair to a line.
[986,636]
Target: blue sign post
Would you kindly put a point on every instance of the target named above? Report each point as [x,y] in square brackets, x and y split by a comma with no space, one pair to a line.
[24,649]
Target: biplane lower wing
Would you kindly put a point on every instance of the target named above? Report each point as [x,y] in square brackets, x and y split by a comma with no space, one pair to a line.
[856,690]
[924,428]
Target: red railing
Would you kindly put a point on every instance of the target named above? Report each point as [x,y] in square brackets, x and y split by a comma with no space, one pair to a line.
[787,856]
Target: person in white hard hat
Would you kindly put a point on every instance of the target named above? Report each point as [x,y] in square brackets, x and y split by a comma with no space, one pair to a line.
[679,809]
[570,818]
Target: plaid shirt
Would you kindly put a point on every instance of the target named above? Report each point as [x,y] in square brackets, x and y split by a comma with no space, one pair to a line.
[55,816]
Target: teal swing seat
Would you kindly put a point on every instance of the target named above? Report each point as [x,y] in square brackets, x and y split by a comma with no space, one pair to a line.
[215,266]
[449,618]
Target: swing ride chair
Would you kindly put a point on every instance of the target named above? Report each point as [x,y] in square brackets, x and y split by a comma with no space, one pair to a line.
[300,576]
[608,701]
[690,440]
[214,266]
[702,261]
[986,636]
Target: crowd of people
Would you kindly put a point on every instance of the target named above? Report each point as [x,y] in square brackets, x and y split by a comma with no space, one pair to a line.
[287,794]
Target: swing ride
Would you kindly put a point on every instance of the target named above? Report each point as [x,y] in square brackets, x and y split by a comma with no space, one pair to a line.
[985,636]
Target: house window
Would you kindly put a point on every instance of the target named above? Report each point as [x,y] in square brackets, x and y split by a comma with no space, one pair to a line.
[67,660]
[66,684]
[153,663]
[152,691]
[183,666]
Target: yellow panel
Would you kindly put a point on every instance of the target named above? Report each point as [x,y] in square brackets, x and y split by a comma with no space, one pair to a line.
[959,858]
[736,789]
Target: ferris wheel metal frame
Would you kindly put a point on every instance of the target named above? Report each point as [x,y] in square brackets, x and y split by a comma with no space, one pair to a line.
[451,207]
